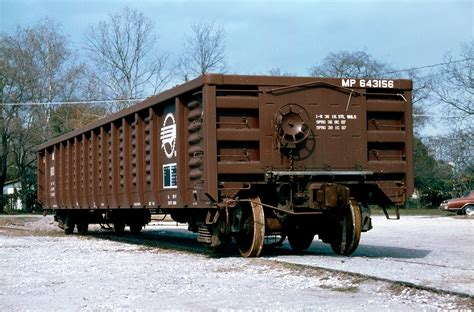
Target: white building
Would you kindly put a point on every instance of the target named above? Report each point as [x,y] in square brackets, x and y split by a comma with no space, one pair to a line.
[8,189]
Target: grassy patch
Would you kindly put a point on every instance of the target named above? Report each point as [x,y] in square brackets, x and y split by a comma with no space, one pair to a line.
[414,212]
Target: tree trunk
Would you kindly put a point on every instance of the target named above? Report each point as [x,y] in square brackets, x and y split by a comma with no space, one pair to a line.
[3,168]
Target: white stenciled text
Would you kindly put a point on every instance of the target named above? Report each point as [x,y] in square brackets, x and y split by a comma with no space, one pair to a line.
[336,122]
[367,83]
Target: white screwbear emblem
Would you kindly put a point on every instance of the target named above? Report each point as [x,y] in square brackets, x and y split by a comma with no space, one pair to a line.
[168,136]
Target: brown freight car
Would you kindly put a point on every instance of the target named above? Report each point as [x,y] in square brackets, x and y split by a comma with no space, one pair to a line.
[240,157]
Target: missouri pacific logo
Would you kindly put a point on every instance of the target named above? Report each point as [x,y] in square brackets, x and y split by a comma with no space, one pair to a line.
[168,136]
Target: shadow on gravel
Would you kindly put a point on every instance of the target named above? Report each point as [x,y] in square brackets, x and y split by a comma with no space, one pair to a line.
[372,251]
[367,251]
[175,240]
[182,240]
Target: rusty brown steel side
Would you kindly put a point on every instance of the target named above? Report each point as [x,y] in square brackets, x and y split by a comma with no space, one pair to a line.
[155,163]
[57,175]
[77,173]
[228,133]
[114,166]
[95,166]
[242,157]
[103,176]
[85,172]
[70,189]
[41,183]
[210,147]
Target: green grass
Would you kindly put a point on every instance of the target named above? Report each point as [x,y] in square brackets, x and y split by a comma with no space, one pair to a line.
[413,212]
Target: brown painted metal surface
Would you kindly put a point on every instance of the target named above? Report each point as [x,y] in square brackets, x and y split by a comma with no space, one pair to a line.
[206,140]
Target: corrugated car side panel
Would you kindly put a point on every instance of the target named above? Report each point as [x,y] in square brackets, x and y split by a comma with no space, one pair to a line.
[49,178]
[197,126]
[41,178]
[46,177]
[389,141]
[135,158]
[114,165]
[238,137]
[409,179]
[103,167]
[183,148]
[155,183]
[62,202]
[94,168]
[210,144]
[181,152]
[57,175]
[77,172]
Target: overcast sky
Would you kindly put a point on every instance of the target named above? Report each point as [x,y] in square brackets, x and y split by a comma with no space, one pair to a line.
[290,35]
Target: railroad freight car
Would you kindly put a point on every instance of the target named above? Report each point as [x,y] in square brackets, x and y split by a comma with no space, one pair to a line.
[240,157]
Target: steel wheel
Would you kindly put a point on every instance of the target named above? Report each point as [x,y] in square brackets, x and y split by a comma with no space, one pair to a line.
[69,225]
[347,232]
[299,238]
[61,223]
[251,237]
[82,226]
[119,227]
[135,228]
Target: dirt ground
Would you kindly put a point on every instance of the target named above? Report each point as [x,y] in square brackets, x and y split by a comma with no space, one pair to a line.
[165,269]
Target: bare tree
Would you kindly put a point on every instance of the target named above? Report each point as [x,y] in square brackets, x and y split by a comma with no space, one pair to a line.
[452,87]
[35,66]
[123,55]
[204,51]
[454,84]
[276,71]
[69,117]
[454,147]
[38,66]
[356,64]
[5,130]
[422,89]
[451,148]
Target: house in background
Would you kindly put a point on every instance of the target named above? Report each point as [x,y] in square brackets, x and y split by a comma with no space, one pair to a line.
[9,189]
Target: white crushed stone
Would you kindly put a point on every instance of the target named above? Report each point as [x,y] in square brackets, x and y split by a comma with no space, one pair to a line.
[98,273]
